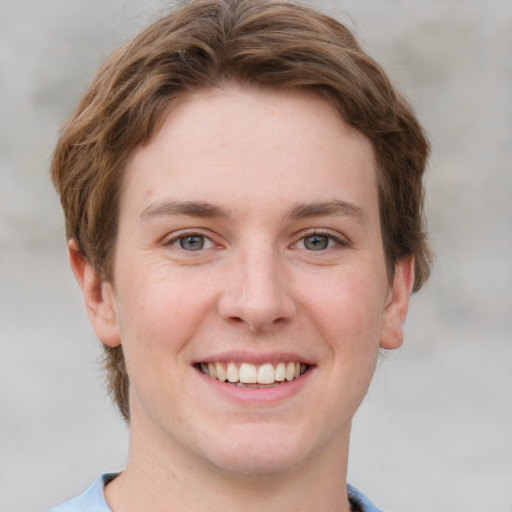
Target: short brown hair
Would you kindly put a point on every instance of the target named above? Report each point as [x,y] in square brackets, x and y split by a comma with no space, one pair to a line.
[207,44]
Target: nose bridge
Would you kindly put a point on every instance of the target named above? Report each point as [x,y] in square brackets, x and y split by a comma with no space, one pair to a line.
[256,294]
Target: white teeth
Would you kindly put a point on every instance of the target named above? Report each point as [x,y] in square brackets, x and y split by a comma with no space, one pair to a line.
[212,371]
[266,374]
[232,372]
[290,371]
[221,373]
[247,373]
[280,372]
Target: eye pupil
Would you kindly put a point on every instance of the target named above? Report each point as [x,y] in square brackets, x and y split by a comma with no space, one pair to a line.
[316,242]
[192,243]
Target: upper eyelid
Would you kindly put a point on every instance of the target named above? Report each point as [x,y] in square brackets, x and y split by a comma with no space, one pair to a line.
[304,233]
[174,236]
[335,235]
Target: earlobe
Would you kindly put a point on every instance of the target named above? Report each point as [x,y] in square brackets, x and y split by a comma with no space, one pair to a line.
[398,302]
[98,297]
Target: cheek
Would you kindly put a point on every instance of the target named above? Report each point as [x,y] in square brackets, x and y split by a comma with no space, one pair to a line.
[348,309]
[158,313]
[157,318]
[348,318]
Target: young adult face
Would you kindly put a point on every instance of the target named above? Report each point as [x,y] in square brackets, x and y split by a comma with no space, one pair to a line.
[249,238]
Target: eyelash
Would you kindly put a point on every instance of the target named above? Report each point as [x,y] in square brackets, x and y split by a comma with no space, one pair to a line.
[187,234]
[339,242]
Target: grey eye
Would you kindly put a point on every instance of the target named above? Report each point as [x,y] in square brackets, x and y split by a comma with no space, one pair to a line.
[316,242]
[192,242]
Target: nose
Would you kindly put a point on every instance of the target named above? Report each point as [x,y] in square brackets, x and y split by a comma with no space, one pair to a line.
[256,295]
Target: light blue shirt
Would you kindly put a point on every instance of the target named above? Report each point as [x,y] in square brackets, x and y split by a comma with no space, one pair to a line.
[93,499]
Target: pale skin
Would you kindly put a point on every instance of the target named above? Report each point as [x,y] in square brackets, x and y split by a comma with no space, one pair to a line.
[249,232]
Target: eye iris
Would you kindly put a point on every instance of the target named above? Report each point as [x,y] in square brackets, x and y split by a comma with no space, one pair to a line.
[192,243]
[316,242]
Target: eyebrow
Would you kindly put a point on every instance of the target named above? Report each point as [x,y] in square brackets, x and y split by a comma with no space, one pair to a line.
[327,208]
[204,209]
[185,208]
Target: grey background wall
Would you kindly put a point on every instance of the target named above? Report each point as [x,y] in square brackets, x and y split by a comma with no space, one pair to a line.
[435,432]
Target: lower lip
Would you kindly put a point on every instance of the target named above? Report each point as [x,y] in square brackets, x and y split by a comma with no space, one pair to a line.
[257,396]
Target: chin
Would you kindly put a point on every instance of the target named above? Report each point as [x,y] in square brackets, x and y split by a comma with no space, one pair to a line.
[258,468]
[259,452]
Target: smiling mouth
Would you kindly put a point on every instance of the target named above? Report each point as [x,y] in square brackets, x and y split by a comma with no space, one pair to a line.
[248,375]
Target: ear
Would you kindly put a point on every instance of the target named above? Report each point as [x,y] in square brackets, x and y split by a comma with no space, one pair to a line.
[392,333]
[98,297]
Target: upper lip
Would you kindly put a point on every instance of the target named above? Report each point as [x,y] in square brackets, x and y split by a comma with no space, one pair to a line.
[255,358]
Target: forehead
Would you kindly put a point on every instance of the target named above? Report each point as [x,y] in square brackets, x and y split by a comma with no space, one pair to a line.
[252,148]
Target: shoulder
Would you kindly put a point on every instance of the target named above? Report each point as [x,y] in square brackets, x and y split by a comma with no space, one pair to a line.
[359,501]
[92,500]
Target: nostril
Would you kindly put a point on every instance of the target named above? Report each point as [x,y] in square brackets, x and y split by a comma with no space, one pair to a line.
[256,325]
[239,322]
